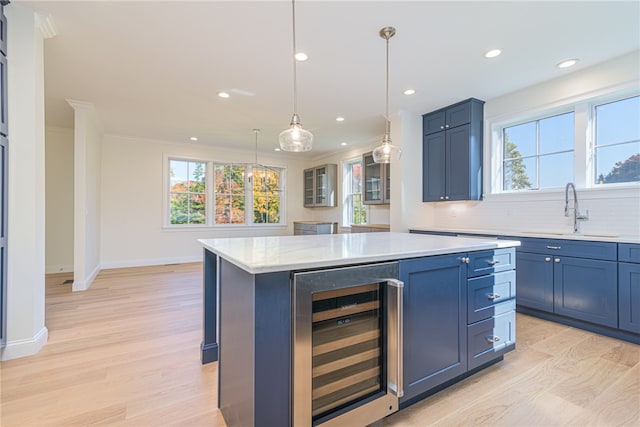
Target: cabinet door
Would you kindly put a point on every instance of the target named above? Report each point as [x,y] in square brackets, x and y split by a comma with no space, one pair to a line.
[308,188]
[386,169]
[458,115]
[629,297]
[321,186]
[433,122]
[457,164]
[373,181]
[586,289]
[435,322]
[534,276]
[433,167]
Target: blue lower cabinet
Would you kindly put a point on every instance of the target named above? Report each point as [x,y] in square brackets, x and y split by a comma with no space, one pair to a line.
[629,297]
[491,338]
[435,322]
[586,289]
[535,281]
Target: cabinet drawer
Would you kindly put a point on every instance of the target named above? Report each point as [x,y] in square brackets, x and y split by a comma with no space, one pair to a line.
[606,251]
[494,261]
[491,338]
[628,252]
[488,296]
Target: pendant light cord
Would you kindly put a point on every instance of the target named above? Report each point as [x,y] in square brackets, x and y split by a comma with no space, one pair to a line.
[388,130]
[295,83]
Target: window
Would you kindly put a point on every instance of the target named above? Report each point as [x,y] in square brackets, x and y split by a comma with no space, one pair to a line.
[267,194]
[355,212]
[230,194]
[538,154]
[187,192]
[617,141]
[242,194]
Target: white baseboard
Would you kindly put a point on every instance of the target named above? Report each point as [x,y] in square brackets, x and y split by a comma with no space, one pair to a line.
[152,261]
[83,285]
[25,347]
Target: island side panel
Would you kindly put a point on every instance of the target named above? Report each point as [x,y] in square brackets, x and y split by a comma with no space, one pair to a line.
[236,345]
[273,349]
[209,345]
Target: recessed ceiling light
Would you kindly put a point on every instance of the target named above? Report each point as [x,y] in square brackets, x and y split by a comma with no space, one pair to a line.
[301,56]
[492,53]
[409,91]
[339,119]
[343,143]
[223,94]
[276,149]
[568,63]
[194,138]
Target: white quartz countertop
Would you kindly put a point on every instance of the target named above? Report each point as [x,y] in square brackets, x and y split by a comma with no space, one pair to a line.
[282,253]
[597,237]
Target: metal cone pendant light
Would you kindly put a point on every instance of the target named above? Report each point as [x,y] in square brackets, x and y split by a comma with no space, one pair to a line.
[296,138]
[386,150]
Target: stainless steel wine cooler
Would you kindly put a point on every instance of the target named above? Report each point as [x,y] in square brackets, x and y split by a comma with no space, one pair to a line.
[347,349]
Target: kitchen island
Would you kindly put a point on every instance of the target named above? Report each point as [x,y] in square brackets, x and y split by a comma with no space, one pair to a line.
[452,298]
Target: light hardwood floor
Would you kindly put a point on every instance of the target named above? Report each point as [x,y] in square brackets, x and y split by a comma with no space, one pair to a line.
[126,352]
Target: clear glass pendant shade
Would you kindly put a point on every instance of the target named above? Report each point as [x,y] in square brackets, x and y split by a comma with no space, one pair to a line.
[296,138]
[386,150]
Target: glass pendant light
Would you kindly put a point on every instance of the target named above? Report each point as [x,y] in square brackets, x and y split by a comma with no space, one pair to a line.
[296,138]
[386,150]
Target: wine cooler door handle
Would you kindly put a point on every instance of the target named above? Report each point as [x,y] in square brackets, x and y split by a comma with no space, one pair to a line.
[398,387]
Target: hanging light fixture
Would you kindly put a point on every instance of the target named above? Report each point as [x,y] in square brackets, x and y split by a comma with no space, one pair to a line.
[296,138]
[386,150]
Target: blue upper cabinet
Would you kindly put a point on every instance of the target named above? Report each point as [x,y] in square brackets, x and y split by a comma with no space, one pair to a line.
[452,152]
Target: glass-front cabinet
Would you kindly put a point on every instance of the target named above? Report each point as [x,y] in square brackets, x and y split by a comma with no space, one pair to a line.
[320,186]
[377,181]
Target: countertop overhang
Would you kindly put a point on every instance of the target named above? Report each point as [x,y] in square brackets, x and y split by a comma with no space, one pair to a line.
[283,253]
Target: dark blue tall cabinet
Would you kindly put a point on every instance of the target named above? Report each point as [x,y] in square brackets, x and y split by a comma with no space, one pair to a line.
[452,152]
[4,142]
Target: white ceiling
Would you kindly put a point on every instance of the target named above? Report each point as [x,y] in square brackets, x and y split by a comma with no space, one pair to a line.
[152,69]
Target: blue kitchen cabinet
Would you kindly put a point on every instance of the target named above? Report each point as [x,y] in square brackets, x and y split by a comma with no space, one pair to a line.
[435,321]
[452,152]
[535,280]
[586,289]
[629,287]
[575,279]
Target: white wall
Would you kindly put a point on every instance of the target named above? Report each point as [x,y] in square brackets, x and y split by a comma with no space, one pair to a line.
[59,200]
[132,200]
[612,210]
[26,332]
[87,142]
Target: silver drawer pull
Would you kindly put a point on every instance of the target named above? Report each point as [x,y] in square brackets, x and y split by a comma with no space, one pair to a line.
[493,339]
[547,259]
[491,297]
[553,247]
[493,262]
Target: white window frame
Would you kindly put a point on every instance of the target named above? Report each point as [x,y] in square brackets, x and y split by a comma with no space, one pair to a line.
[537,156]
[210,194]
[583,108]
[593,149]
[347,185]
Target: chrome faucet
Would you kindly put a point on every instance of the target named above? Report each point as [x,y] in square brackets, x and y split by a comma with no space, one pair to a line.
[576,212]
